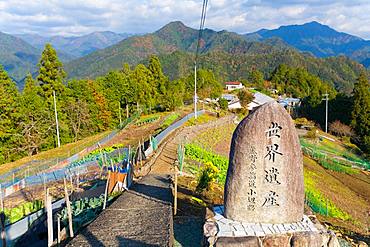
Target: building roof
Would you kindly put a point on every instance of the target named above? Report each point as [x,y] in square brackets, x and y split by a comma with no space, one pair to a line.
[232,83]
[229,97]
[260,98]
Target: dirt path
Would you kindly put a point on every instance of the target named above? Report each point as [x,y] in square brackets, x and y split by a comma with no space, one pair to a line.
[164,163]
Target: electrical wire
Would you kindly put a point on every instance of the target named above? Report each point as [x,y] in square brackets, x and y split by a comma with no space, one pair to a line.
[201,27]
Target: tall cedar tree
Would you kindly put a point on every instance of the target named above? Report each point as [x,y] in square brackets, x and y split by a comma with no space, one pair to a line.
[51,73]
[8,100]
[361,111]
[36,123]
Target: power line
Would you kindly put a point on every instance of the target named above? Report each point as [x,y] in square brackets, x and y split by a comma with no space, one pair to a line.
[201,26]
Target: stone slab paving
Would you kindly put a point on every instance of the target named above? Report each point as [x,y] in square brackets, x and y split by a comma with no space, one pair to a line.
[230,228]
[141,216]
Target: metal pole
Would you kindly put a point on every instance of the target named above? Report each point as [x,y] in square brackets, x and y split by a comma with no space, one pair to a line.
[326,95]
[56,118]
[195,91]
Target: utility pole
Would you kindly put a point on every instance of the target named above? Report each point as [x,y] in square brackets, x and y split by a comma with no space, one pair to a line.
[326,95]
[56,118]
[195,91]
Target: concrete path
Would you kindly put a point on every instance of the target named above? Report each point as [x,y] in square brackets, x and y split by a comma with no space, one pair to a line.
[139,217]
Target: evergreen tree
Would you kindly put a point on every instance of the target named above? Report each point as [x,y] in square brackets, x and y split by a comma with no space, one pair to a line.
[257,78]
[158,77]
[36,123]
[8,114]
[51,73]
[361,111]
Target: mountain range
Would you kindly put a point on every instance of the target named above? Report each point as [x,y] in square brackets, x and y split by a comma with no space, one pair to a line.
[318,39]
[19,54]
[76,46]
[316,47]
[230,55]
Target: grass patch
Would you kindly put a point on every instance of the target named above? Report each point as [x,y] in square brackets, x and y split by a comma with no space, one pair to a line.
[204,118]
[62,152]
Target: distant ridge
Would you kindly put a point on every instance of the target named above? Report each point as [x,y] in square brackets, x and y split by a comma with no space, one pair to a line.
[230,55]
[318,39]
[76,46]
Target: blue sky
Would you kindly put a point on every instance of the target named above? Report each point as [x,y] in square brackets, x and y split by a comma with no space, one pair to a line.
[76,17]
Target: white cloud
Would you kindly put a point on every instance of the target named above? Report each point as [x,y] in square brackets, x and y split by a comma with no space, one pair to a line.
[73,17]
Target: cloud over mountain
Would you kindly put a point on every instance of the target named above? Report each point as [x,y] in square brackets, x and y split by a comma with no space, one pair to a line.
[53,17]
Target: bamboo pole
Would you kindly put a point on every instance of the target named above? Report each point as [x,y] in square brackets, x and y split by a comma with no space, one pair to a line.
[106,191]
[71,181]
[69,211]
[175,200]
[58,239]
[49,212]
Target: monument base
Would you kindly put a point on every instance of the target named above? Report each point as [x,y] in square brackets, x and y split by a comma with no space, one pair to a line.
[220,231]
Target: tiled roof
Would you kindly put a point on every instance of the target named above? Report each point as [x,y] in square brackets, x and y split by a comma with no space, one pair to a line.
[232,83]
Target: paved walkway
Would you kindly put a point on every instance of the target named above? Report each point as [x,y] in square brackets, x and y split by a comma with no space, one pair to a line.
[139,217]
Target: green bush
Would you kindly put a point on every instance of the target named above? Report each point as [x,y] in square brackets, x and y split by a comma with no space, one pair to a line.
[208,175]
[223,104]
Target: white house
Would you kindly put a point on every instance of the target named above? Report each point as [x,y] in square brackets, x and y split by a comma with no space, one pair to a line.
[232,85]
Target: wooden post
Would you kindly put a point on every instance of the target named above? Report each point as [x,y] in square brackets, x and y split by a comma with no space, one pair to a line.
[129,154]
[106,191]
[111,165]
[69,211]
[71,180]
[58,224]
[175,201]
[126,110]
[49,212]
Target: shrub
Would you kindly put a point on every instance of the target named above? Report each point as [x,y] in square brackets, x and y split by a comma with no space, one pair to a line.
[207,176]
[245,97]
[312,134]
[223,104]
[340,129]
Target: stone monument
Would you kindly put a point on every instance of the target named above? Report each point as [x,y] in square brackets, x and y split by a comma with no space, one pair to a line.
[265,176]
[264,190]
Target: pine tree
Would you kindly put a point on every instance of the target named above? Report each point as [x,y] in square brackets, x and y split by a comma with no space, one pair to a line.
[361,110]
[51,73]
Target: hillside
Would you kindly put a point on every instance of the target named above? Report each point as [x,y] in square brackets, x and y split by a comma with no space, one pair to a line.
[228,54]
[318,39]
[76,46]
[17,56]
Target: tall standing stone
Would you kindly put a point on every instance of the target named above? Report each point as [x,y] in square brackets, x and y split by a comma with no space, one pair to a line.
[265,176]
